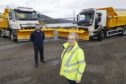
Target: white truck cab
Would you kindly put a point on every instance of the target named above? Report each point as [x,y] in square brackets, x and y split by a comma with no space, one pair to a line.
[91,19]
[20,18]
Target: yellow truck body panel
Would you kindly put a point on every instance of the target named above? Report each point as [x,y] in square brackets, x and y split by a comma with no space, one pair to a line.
[4,19]
[115,17]
[3,22]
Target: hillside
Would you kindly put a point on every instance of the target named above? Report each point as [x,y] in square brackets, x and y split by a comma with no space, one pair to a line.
[49,20]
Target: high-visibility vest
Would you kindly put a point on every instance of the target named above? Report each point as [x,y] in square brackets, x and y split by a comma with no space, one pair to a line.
[72,63]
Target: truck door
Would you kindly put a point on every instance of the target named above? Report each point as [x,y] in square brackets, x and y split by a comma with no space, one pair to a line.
[12,20]
[98,21]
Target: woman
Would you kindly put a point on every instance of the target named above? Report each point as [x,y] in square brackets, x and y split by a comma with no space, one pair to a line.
[72,60]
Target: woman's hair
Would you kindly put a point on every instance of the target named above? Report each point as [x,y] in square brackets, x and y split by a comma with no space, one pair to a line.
[75,34]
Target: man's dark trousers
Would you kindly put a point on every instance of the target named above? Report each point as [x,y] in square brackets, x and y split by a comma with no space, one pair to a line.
[71,82]
[37,37]
[38,50]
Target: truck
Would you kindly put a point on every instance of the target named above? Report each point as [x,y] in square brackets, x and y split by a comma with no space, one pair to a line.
[18,23]
[100,23]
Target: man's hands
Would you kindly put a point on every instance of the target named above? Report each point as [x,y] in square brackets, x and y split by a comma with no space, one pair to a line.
[78,81]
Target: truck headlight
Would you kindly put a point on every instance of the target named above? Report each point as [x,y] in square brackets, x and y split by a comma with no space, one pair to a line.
[91,33]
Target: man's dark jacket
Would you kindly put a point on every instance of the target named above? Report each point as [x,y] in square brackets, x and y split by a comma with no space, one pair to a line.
[37,38]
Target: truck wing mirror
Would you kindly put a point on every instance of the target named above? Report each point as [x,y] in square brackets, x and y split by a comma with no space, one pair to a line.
[77,17]
[13,19]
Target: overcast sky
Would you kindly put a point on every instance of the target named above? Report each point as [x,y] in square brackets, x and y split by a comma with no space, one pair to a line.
[61,8]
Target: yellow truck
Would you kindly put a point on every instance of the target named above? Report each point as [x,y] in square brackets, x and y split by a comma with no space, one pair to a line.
[102,22]
[18,23]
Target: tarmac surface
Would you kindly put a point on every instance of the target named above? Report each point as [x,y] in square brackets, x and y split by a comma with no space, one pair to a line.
[106,62]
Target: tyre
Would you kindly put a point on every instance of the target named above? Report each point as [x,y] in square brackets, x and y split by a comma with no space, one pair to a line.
[13,37]
[124,31]
[101,35]
[0,33]
[91,38]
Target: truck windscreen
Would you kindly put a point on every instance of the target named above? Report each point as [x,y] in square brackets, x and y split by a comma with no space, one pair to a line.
[85,19]
[26,15]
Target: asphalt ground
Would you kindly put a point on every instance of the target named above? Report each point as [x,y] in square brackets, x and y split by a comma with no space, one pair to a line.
[106,62]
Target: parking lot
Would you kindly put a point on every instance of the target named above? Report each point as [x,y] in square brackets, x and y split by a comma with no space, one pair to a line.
[106,62]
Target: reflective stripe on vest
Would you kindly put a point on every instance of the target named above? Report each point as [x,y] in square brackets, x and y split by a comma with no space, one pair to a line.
[78,62]
[80,73]
[68,71]
[67,62]
[70,65]
[74,70]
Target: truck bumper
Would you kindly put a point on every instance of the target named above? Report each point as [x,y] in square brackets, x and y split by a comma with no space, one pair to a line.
[24,35]
[63,33]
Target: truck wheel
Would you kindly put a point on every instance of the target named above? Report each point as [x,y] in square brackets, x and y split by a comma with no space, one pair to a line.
[13,37]
[0,33]
[124,31]
[101,35]
[91,38]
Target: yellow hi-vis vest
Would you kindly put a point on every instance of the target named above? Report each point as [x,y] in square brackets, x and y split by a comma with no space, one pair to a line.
[72,63]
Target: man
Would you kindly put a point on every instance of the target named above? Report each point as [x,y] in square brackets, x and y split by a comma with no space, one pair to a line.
[98,21]
[37,37]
